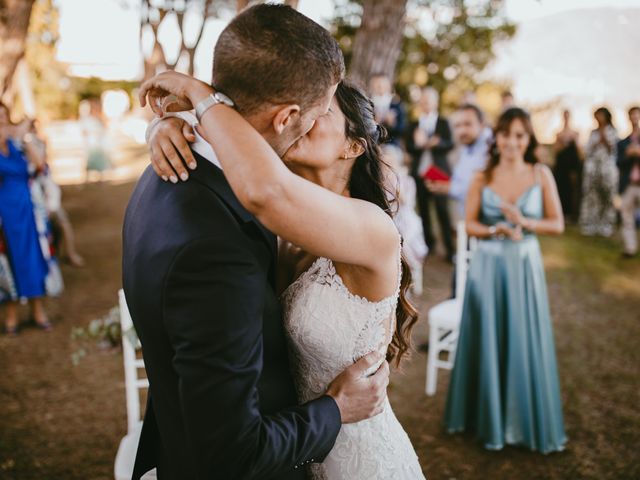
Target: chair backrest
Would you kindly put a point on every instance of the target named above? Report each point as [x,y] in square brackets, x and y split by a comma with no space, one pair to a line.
[464,248]
[132,366]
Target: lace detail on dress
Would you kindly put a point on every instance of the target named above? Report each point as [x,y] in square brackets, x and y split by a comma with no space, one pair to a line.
[329,328]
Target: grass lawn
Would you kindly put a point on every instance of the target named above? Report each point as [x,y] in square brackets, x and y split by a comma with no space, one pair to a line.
[595,304]
[63,422]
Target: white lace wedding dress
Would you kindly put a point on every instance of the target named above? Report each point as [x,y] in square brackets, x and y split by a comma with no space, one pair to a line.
[329,328]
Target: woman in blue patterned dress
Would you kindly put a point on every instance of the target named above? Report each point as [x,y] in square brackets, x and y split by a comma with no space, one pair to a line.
[504,385]
[28,264]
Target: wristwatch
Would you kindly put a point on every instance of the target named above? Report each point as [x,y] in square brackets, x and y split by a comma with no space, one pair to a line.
[210,101]
[492,230]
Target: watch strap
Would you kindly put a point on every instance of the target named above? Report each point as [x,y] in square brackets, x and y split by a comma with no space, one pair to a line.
[210,101]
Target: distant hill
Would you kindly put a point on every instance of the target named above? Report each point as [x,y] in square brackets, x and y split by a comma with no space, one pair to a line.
[576,59]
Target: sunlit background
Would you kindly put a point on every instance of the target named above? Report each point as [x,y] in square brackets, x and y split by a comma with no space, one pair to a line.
[561,54]
[557,54]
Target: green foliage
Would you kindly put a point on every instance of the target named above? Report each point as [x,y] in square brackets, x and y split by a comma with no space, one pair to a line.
[50,83]
[447,42]
[93,87]
[105,332]
[58,94]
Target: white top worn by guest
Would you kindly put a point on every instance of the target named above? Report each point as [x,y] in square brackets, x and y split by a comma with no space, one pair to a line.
[428,122]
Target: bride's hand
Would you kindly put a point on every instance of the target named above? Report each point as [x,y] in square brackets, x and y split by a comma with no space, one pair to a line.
[172,92]
[169,148]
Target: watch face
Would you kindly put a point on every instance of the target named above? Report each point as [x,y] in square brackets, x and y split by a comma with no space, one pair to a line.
[222,98]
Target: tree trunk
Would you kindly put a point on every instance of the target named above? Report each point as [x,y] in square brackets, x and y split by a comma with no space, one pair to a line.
[241,5]
[378,42]
[23,85]
[14,25]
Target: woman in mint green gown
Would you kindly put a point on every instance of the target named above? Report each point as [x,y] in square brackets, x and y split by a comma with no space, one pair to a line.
[504,386]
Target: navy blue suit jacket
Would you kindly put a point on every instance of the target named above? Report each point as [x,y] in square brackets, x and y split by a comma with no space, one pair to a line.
[198,274]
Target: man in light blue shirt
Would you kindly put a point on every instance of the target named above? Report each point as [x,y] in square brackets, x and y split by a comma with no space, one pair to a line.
[474,140]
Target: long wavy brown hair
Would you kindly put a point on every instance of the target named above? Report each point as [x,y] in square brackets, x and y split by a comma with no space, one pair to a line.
[367,182]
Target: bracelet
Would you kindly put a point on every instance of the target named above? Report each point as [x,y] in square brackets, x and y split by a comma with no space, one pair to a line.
[530,225]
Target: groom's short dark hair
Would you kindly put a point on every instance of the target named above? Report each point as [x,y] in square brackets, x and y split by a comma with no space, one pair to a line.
[272,54]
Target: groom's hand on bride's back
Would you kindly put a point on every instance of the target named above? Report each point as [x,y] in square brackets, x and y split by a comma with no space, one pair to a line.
[360,396]
[169,148]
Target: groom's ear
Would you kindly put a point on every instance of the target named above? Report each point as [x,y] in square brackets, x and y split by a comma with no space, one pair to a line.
[284,117]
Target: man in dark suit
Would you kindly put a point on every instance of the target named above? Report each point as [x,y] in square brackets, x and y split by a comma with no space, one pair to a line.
[429,142]
[390,112]
[199,274]
[629,165]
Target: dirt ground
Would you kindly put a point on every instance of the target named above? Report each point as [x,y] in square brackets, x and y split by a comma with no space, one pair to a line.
[58,421]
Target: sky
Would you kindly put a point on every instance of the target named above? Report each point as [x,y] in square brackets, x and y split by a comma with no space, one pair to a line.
[105,47]
[578,61]
[522,10]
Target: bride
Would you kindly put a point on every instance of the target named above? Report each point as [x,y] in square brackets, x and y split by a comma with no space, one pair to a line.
[341,270]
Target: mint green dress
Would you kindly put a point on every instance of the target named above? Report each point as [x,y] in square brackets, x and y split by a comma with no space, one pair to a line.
[504,385]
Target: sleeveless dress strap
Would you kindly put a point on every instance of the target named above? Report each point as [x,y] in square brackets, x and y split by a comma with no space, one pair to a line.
[537,174]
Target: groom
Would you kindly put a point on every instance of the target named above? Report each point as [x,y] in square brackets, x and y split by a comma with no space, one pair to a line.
[199,273]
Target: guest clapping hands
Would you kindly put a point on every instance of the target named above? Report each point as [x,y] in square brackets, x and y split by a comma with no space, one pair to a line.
[29,267]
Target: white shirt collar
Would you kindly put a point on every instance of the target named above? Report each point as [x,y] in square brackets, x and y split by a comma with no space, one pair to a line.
[428,122]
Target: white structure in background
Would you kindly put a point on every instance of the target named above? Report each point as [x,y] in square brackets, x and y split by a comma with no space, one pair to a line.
[444,318]
[125,458]
[115,103]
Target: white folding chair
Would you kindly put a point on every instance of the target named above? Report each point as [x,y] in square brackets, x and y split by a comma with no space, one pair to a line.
[444,318]
[125,458]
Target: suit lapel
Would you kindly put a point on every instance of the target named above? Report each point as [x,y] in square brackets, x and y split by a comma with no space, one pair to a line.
[213,178]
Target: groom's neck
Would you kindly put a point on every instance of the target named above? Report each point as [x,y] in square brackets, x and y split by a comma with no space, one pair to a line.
[262,121]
